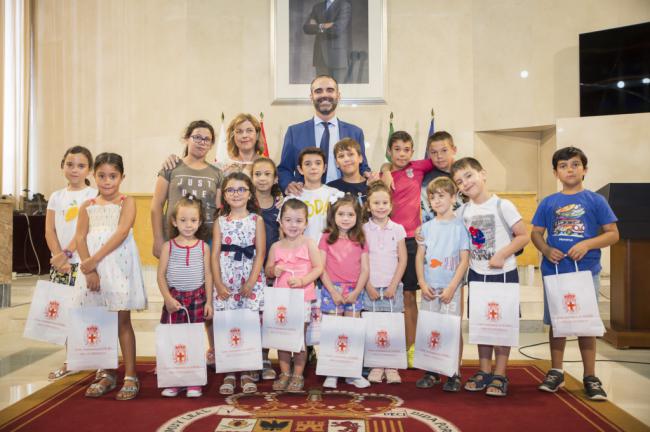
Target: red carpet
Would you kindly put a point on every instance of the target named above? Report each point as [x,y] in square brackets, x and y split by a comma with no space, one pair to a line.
[381,408]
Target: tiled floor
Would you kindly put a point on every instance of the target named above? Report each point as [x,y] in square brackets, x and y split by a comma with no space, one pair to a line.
[24,364]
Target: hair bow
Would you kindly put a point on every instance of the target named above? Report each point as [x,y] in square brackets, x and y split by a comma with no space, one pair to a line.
[335,196]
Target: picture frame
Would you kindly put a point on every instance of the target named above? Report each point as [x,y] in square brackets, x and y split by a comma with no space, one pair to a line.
[346,39]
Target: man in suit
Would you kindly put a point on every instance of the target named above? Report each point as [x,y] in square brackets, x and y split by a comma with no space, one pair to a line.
[324,130]
[330,22]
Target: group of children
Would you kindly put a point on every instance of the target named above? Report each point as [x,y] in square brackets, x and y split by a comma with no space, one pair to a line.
[347,245]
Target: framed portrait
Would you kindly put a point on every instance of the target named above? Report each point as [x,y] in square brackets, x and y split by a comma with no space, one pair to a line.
[342,38]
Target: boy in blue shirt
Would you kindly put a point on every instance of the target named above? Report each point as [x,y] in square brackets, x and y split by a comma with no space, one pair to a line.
[579,223]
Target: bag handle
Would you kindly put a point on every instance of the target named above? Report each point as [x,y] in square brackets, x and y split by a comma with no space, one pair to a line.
[574,262]
[381,297]
[187,313]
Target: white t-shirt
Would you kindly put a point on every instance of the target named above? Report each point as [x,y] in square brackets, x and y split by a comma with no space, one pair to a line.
[318,203]
[65,204]
[488,235]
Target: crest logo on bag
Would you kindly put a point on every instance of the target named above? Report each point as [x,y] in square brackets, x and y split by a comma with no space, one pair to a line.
[570,303]
[434,340]
[381,339]
[180,354]
[281,315]
[315,314]
[235,337]
[92,335]
[342,344]
[493,312]
[52,310]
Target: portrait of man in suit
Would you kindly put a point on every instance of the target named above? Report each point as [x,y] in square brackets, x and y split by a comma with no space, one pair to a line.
[329,37]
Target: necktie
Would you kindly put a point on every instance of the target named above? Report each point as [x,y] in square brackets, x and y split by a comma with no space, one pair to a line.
[325,145]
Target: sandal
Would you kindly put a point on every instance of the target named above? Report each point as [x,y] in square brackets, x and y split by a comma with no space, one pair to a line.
[500,384]
[376,375]
[228,386]
[209,358]
[268,373]
[452,384]
[282,382]
[247,384]
[104,383]
[58,373]
[480,380]
[296,384]
[128,391]
[428,380]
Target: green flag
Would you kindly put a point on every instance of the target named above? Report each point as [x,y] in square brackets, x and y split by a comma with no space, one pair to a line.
[390,133]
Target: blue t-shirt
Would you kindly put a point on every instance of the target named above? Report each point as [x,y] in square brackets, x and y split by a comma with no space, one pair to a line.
[570,219]
[443,240]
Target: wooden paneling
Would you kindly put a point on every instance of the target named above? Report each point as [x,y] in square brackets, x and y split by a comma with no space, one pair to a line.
[142,228]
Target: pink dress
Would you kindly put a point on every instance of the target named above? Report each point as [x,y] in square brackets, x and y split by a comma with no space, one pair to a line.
[298,260]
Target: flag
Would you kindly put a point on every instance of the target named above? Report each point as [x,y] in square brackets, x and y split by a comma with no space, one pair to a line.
[432,130]
[265,151]
[222,146]
[390,133]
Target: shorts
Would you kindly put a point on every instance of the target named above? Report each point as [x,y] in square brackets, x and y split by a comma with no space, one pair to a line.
[510,277]
[451,308]
[410,278]
[65,278]
[547,313]
[396,304]
[193,301]
[327,303]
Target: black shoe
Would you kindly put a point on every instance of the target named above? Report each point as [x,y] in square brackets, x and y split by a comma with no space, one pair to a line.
[594,388]
[428,380]
[552,381]
[452,384]
[311,355]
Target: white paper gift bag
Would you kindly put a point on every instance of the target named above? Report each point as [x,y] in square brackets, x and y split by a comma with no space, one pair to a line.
[237,340]
[385,345]
[48,313]
[572,304]
[312,334]
[283,324]
[180,355]
[494,313]
[437,342]
[92,338]
[341,346]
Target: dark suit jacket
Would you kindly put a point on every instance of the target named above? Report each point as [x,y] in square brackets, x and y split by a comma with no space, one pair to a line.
[333,43]
[302,135]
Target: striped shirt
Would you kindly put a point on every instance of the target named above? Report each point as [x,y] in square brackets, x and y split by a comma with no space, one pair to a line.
[186,268]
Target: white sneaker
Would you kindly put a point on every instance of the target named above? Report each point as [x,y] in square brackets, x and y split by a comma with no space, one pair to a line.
[171,391]
[194,392]
[330,382]
[360,382]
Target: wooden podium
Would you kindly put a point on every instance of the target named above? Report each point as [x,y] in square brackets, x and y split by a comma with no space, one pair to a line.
[630,266]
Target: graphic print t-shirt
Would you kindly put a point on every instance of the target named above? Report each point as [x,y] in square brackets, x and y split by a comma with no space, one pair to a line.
[65,204]
[443,240]
[488,235]
[570,219]
[318,202]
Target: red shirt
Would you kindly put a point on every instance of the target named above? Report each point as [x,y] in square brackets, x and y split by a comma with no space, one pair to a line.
[406,196]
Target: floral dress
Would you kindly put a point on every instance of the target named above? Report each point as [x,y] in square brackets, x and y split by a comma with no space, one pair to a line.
[236,261]
[121,286]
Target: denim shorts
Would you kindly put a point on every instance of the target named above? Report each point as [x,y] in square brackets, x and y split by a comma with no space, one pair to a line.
[435,305]
[396,304]
[547,314]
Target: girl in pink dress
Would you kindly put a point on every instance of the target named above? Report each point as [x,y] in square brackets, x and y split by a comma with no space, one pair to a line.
[295,262]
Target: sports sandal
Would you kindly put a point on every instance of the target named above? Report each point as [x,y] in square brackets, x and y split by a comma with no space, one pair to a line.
[480,380]
[247,384]
[452,384]
[296,384]
[376,375]
[500,385]
[428,380]
[58,373]
[129,390]
[104,383]
[282,382]
[228,386]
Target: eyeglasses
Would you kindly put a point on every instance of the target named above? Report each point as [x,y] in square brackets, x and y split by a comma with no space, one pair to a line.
[239,191]
[248,131]
[198,139]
